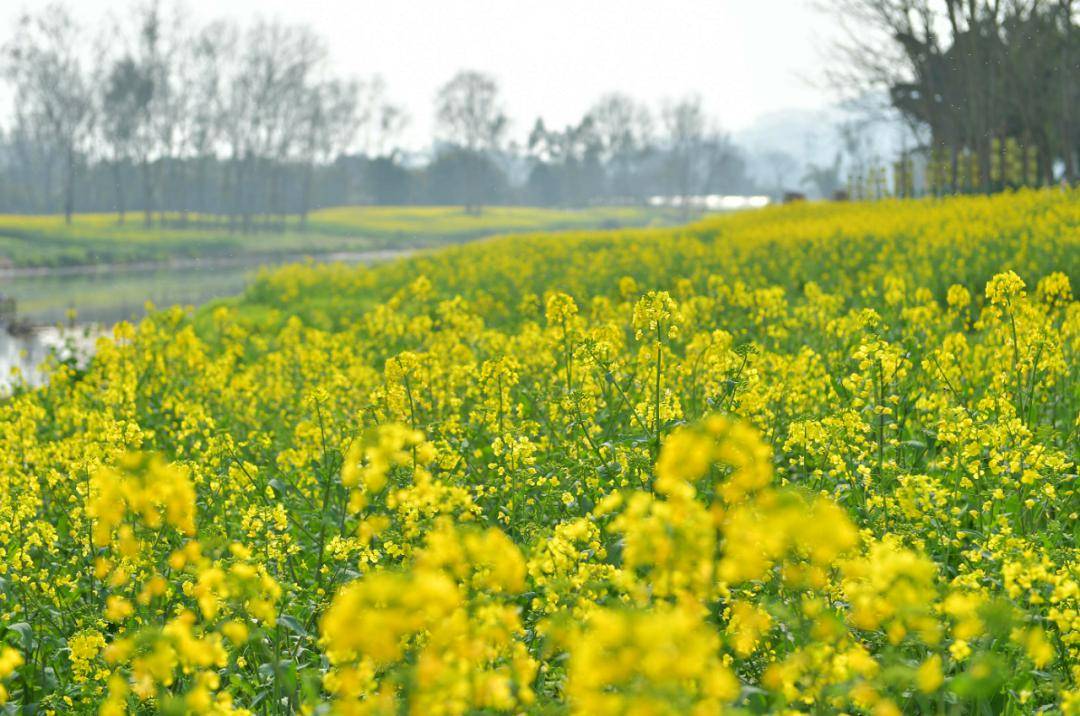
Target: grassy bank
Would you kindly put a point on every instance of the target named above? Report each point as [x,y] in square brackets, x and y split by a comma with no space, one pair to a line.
[27,241]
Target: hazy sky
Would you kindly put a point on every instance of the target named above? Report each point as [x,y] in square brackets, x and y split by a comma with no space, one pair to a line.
[554,57]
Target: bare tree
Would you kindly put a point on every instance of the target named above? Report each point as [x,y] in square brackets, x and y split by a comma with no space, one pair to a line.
[1067,17]
[207,67]
[624,130]
[35,159]
[622,125]
[125,98]
[469,112]
[567,164]
[172,96]
[380,121]
[155,46]
[44,61]
[686,126]
[263,112]
[330,122]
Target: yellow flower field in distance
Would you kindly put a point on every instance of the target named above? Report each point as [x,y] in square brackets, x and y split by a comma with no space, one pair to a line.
[818,458]
[45,240]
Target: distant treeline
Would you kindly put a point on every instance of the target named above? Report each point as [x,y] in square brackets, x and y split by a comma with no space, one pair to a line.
[158,116]
[240,125]
[192,190]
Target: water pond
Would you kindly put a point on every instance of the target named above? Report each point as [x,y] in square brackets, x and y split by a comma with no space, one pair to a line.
[64,310]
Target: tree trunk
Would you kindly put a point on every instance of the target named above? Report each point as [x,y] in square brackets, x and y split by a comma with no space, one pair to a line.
[244,192]
[69,186]
[148,195]
[1003,162]
[305,196]
[118,180]
[165,180]
[182,194]
[954,168]
[47,187]
[1043,162]
[200,190]
[228,192]
[985,151]
[1025,161]
[1068,106]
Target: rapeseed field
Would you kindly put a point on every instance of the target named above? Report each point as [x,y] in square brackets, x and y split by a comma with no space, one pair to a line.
[817,458]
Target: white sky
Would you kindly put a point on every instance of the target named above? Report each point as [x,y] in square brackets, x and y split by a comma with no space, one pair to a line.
[553,58]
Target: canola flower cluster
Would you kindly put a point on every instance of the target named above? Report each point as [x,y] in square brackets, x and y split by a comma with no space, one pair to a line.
[809,459]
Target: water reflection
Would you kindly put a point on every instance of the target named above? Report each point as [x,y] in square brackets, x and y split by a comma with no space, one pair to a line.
[109,294]
[45,302]
[24,351]
[44,298]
